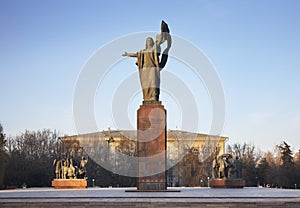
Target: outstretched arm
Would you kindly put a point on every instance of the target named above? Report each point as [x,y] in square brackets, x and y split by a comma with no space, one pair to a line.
[129,54]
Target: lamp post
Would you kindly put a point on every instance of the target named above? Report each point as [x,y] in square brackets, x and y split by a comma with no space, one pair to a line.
[93,184]
[207,181]
[177,168]
[201,181]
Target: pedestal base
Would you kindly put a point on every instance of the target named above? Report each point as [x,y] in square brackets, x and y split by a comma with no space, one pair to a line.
[166,190]
[151,147]
[156,182]
[227,183]
[69,183]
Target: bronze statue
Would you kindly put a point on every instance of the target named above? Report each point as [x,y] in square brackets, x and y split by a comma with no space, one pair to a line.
[58,168]
[237,167]
[216,168]
[82,168]
[67,168]
[150,65]
[225,168]
[71,170]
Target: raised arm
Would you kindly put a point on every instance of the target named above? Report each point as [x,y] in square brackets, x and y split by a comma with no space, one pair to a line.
[129,54]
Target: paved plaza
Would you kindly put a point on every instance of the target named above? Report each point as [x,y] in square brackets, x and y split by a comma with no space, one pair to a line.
[117,197]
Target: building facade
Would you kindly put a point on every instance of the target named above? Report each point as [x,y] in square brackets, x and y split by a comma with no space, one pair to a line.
[188,154]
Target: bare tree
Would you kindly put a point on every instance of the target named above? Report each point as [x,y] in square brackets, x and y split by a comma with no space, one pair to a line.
[3,155]
[30,158]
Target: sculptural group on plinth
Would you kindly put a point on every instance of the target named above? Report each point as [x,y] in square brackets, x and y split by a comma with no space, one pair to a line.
[227,172]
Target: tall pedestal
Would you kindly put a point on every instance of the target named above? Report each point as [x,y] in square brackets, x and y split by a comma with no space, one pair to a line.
[151,146]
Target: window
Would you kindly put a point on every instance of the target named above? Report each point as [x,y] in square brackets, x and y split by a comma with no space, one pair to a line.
[195,151]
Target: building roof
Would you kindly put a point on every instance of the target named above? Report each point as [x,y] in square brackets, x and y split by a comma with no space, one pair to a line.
[132,134]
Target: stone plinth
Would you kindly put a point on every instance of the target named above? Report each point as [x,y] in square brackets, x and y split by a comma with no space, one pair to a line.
[69,183]
[151,146]
[227,183]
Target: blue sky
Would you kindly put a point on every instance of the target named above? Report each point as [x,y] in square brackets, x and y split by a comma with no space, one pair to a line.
[254,46]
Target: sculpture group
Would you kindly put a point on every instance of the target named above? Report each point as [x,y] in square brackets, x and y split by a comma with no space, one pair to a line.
[225,167]
[70,170]
[66,169]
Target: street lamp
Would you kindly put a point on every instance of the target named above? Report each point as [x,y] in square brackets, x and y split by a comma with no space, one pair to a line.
[201,181]
[93,184]
[207,181]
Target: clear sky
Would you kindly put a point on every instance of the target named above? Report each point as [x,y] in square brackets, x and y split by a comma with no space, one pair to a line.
[254,46]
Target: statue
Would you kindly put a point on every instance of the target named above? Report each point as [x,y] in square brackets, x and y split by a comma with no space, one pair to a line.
[71,170]
[223,167]
[58,168]
[150,65]
[237,167]
[82,169]
[229,168]
[216,168]
[66,168]
[227,172]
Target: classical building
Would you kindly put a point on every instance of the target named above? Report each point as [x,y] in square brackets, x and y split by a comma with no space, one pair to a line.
[106,146]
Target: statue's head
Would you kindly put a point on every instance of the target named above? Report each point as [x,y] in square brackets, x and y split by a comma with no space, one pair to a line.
[149,42]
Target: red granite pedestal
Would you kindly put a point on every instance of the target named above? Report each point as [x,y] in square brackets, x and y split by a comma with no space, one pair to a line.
[69,183]
[227,183]
[151,146]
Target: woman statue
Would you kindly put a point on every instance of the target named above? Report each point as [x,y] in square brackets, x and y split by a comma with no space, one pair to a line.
[149,64]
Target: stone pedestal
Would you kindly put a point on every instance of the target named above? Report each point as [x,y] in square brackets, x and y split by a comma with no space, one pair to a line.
[69,183]
[151,147]
[227,183]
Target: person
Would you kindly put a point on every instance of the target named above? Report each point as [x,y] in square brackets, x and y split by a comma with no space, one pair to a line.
[150,66]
